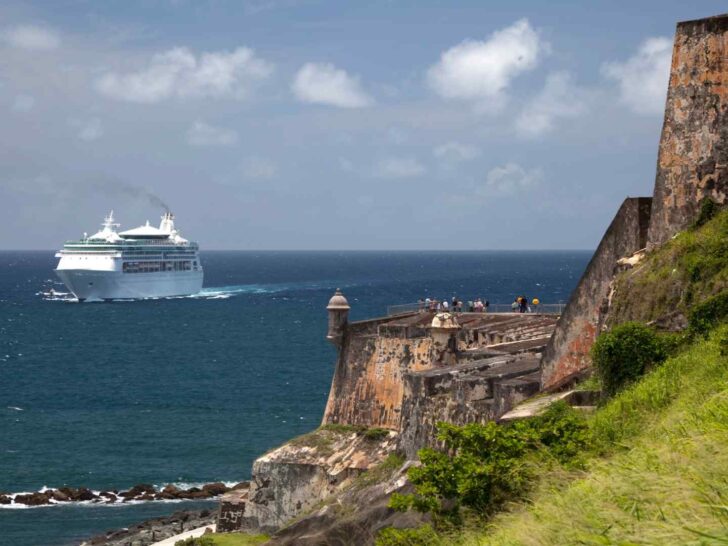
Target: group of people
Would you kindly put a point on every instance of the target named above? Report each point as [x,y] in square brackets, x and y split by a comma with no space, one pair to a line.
[455,305]
[478,305]
[520,304]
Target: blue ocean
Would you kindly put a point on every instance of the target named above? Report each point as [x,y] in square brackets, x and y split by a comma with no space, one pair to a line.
[191,390]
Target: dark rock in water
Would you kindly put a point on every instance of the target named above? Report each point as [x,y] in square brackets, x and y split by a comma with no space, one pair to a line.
[166,496]
[217,488]
[33,499]
[68,491]
[138,490]
[199,494]
[75,495]
[241,485]
[109,495]
[59,496]
[4,499]
[146,497]
[83,494]
[171,490]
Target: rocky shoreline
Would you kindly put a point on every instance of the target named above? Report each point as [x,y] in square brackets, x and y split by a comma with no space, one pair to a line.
[139,493]
[153,530]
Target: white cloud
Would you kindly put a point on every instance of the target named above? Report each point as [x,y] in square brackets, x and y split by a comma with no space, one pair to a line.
[455,152]
[31,37]
[323,83]
[643,78]
[88,130]
[509,179]
[23,103]
[204,134]
[259,168]
[560,98]
[181,74]
[482,71]
[399,167]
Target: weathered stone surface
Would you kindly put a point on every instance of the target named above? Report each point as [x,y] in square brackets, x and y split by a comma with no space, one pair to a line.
[376,355]
[300,474]
[367,384]
[693,156]
[466,393]
[567,353]
[354,518]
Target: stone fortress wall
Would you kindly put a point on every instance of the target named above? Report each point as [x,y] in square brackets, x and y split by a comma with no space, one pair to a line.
[692,161]
[567,353]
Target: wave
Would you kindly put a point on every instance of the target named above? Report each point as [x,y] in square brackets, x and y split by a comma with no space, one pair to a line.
[217,292]
[100,500]
[225,292]
[98,504]
[190,485]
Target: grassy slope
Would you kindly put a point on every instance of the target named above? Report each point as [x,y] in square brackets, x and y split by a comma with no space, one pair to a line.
[663,478]
[237,539]
[687,270]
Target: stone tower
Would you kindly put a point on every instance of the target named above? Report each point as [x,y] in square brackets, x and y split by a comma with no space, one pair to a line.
[338,309]
[692,163]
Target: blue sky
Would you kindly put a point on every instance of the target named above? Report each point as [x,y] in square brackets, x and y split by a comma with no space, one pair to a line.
[285,124]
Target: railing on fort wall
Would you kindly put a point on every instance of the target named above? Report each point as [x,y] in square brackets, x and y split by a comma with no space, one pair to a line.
[542,308]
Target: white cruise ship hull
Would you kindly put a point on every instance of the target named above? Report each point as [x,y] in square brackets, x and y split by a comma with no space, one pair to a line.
[92,285]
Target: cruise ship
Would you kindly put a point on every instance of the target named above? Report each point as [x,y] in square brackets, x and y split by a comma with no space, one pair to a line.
[144,262]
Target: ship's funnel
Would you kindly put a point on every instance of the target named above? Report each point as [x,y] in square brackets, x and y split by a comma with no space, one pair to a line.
[167,223]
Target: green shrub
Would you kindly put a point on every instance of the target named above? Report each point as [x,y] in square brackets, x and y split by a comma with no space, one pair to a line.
[421,536]
[708,210]
[562,431]
[484,466]
[707,315]
[625,353]
[375,433]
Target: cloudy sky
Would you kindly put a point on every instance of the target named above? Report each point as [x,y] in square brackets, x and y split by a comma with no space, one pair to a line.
[287,124]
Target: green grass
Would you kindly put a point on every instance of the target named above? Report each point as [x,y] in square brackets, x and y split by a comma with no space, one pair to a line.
[224,539]
[688,269]
[660,475]
[238,539]
[322,439]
